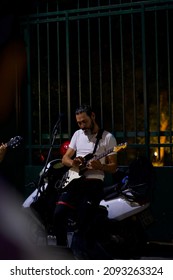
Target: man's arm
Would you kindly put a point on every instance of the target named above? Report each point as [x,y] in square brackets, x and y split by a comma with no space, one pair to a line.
[110,166]
[68,160]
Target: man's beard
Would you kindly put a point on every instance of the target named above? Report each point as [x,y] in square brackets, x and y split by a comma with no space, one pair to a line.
[90,129]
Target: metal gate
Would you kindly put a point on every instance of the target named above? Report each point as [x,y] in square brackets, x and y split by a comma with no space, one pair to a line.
[116,56]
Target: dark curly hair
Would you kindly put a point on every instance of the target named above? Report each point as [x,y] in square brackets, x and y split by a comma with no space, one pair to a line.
[84,109]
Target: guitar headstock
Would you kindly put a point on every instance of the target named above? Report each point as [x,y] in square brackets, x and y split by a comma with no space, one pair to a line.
[14,142]
[120,147]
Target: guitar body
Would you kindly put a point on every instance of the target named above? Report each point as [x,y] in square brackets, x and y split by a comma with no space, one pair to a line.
[70,175]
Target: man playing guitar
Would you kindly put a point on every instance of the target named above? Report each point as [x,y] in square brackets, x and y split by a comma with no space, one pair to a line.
[89,187]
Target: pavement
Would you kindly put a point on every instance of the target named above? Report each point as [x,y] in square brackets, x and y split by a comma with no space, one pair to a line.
[158,250]
[154,251]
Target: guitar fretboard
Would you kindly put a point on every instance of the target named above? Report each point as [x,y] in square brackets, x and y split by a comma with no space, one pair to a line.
[114,149]
[104,154]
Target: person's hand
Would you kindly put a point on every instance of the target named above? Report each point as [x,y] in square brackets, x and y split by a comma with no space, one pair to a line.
[77,162]
[3,148]
[95,164]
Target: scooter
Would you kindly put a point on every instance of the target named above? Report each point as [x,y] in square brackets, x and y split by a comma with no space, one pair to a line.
[116,228]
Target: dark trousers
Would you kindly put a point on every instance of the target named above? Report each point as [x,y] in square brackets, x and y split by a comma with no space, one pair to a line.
[80,198]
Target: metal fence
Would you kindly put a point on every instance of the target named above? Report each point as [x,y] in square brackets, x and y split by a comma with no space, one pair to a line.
[115,55]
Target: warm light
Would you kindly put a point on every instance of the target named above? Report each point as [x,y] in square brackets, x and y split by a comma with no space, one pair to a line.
[155,154]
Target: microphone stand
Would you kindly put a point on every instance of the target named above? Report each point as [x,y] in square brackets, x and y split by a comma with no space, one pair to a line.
[54,134]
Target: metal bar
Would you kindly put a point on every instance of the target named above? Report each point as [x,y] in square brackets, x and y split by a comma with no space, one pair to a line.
[163,4]
[29,99]
[79,62]
[133,78]
[146,121]
[89,60]
[122,78]
[169,81]
[58,65]
[100,72]
[157,81]
[111,75]
[62,15]
[39,84]
[48,82]
[68,74]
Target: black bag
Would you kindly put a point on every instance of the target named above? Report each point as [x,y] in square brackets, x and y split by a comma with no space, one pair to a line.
[140,178]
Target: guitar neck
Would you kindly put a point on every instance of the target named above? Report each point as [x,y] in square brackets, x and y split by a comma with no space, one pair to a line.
[88,157]
[14,142]
[83,167]
[103,154]
[114,149]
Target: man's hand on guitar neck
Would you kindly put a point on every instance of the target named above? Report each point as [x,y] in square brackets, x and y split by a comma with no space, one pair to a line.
[95,164]
[3,148]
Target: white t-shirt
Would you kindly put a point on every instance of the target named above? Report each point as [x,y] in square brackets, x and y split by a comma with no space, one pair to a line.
[83,143]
